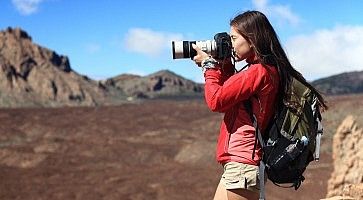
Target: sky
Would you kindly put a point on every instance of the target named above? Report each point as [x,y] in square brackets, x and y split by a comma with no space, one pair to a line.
[103,39]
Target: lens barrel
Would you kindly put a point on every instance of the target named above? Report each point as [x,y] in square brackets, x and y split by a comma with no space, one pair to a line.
[183,49]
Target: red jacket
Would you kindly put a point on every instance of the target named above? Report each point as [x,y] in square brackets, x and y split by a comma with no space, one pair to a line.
[225,93]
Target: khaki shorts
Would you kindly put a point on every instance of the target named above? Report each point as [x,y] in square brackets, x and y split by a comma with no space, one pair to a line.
[240,176]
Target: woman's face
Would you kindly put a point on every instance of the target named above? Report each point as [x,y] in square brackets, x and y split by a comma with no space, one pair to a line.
[241,47]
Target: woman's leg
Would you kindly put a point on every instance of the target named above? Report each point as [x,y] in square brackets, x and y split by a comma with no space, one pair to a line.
[242,194]
[235,194]
[221,192]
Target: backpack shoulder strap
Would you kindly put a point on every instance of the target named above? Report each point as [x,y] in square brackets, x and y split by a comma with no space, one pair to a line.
[258,135]
[258,138]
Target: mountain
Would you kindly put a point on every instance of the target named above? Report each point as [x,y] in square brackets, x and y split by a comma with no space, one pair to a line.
[160,84]
[345,83]
[32,75]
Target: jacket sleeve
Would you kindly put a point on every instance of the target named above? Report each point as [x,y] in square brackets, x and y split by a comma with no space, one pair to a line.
[222,92]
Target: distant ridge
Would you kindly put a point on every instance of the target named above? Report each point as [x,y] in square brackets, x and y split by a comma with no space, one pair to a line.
[159,84]
[344,83]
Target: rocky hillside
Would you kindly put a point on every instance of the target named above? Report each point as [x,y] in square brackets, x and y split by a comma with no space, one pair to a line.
[345,83]
[32,75]
[160,150]
[159,84]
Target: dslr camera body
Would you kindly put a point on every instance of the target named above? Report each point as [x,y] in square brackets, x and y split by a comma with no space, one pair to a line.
[219,48]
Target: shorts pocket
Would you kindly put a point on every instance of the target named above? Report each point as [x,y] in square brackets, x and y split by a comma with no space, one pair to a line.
[251,175]
[240,176]
[232,177]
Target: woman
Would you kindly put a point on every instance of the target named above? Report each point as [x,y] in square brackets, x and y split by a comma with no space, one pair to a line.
[263,84]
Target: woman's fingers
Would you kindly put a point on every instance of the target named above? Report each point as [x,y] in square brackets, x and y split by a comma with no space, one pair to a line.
[201,55]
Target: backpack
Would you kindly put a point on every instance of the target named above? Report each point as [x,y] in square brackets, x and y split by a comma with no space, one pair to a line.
[292,139]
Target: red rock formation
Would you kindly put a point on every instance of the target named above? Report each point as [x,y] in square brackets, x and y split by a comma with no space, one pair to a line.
[347,177]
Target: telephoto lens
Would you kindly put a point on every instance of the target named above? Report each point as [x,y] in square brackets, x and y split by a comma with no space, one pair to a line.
[184,49]
[219,48]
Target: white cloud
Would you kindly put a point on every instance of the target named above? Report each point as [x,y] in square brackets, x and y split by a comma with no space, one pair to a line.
[282,12]
[149,42]
[27,7]
[327,52]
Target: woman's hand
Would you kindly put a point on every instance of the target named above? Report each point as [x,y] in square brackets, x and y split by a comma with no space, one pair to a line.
[201,55]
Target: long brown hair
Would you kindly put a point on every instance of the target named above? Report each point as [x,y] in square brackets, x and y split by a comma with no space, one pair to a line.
[258,31]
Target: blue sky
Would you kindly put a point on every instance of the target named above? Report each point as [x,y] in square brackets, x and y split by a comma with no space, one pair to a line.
[106,38]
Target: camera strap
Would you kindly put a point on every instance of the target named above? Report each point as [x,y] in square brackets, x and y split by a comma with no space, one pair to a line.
[244,67]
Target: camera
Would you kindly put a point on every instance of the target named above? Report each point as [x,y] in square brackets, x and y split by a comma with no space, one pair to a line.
[219,48]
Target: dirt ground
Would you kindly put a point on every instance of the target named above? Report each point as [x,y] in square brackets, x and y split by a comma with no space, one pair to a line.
[161,149]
